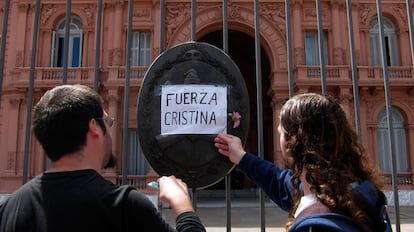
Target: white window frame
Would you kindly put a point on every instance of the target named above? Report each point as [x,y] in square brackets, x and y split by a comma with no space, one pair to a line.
[390,43]
[74,33]
[312,47]
[399,138]
[141,49]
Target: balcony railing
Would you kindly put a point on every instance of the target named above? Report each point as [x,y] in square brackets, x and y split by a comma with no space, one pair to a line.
[83,75]
[308,75]
[367,75]
[116,75]
[53,76]
[403,179]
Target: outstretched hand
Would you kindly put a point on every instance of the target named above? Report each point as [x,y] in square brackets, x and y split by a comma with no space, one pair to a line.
[230,146]
[174,192]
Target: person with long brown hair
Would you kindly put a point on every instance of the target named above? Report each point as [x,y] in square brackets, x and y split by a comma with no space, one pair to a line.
[329,183]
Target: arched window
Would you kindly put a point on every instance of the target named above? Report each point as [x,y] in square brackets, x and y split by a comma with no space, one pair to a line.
[398,133]
[390,40]
[75,44]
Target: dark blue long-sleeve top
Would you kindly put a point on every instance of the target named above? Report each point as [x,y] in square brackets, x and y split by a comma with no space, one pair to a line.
[274,181]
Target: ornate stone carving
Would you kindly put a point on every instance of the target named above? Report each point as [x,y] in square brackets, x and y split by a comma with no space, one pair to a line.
[364,11]
[11,161]
[88,14]
[19,59]
[47,11]
[234,11]
[116,57]
[142,13]
[276,14]
[401,10]
[299,55]
[176,14]
[311,14]
[338,56]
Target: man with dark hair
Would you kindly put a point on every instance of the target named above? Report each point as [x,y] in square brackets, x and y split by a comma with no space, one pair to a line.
[74,131]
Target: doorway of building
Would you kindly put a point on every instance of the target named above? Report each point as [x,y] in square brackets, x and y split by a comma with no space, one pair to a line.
[242,52]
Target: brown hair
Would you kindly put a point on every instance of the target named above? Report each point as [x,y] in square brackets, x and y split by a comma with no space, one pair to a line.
[327,147]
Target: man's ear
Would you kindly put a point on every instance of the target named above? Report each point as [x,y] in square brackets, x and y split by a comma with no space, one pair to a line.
[94,127]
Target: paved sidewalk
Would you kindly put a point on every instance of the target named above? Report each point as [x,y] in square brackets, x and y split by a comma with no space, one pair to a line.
[245,216]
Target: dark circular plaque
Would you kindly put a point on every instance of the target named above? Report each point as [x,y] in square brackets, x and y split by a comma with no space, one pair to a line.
[190,156]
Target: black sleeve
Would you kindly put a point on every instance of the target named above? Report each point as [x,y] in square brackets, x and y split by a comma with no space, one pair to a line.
[189,222]
[142,215]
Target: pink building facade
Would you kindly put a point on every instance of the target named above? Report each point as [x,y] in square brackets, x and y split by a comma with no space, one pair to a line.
[146,47]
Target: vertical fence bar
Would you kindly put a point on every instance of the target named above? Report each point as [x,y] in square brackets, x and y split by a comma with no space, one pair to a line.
[289,48]
[162,26]
[66,46]
[353,67]
[30,94]
[227,178]
[97,45]
[3,42]
[259,105]
[321,47]
[193,20]
[125,136]
[389,119]
[225,28]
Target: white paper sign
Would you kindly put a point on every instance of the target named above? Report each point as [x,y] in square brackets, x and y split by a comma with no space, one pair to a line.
[193,109]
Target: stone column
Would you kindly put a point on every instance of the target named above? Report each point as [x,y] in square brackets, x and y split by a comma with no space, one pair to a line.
[276,104]
[337,24]
[346,101]
[357,38]
[297,33]
[117,36]
[11,129]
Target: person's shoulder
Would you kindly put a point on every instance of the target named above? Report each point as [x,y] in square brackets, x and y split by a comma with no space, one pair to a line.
[324,222]
[26,189]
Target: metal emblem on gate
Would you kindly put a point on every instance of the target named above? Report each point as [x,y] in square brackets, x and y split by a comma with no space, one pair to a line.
[190,93]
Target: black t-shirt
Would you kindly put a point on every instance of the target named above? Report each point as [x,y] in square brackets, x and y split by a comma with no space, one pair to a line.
[84,201]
